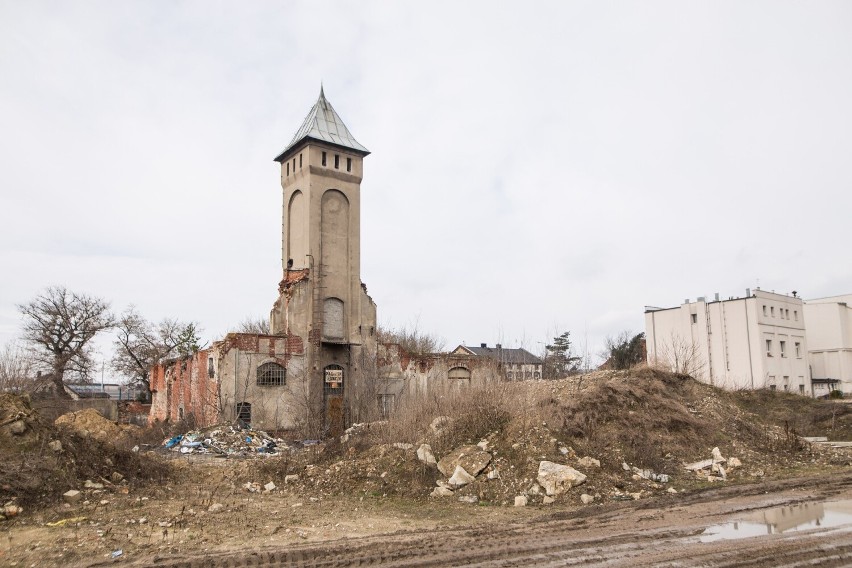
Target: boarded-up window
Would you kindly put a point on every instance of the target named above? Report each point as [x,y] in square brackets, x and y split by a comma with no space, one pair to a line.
[459,373]
[333,319]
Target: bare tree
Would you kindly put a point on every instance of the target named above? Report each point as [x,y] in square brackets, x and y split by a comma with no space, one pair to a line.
[59,325]
[140,344]
[681,356]
[252,324]
[411,338]
[17,369]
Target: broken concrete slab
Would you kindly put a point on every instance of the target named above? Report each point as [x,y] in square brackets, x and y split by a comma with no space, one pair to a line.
[587,461]
[471,458]
[72,496]
[557,479]
[461,477]
[424,454]
[441,492]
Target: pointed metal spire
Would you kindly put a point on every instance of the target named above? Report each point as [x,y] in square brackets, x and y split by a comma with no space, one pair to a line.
[325,125]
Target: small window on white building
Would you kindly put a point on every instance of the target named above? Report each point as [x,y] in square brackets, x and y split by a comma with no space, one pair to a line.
[801,389]
[694,318]
[798,350]
[796,315]
[786,383]
[764,310]
[772,311]
[769,348]
[786,313]
[783,348]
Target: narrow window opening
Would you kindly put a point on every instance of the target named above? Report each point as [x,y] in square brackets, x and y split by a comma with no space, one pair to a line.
[323,158]
[300,161]
[288,168]
[337,161]
[772,311]
[764,311]
[798,350]
[294,165]
[244,412]
[769,348]
[796,315]
[783,348]
[694,318]
[348,164]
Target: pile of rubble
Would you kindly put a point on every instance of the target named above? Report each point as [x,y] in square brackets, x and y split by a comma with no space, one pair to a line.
[91,423]
[713,469]
[466,464]
[227,440]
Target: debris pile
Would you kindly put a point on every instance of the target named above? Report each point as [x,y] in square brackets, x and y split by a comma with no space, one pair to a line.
[713,469]
[227,440]
[91,423]
[40,461]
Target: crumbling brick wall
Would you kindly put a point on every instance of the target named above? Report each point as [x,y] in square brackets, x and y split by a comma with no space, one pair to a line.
[184,387]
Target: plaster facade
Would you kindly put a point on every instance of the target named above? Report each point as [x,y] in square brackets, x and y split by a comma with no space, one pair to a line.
[829,324]
[757,341]
[320,367]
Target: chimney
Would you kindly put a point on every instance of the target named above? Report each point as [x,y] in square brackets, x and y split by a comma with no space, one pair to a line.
[748,292]
[483,345]
[717,296]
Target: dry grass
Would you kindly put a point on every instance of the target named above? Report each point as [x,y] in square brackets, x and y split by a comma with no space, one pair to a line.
[473,414]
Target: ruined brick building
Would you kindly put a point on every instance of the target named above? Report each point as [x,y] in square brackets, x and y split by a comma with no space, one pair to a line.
[320,366]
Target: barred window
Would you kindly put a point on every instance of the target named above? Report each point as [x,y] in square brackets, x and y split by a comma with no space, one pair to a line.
[271,375]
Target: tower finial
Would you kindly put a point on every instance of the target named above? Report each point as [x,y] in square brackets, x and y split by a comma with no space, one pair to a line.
[322,94]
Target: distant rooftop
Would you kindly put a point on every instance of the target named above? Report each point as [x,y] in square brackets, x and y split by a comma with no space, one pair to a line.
[325,125]
[505,355]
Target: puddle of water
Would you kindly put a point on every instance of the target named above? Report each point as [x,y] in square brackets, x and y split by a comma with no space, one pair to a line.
[803,517]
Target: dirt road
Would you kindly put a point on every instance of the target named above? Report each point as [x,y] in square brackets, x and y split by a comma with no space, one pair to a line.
[667,531]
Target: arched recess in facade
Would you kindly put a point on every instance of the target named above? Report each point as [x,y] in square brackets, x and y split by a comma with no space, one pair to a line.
[332,319]
[297,238]
[334,255]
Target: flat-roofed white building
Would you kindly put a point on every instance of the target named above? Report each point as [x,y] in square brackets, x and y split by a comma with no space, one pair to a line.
[829,324]
[757,341]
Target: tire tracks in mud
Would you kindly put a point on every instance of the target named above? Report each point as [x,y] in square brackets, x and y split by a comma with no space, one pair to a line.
[610,535]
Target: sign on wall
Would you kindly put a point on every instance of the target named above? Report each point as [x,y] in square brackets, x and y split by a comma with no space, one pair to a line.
[334,378]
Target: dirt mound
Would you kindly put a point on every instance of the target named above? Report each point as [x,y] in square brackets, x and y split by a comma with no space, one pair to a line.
[90,422]
[631,433]
[39,461]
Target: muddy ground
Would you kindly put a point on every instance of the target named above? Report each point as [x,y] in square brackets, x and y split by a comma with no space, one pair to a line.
[366,501]
[172,526]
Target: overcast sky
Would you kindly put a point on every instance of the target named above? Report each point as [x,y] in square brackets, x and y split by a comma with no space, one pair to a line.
[536,166]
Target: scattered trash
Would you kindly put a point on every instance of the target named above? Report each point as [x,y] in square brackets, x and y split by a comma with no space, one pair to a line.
[228,440]
[69,520]
[117,553]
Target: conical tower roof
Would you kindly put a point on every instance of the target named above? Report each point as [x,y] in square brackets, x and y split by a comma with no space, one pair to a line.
[324,124]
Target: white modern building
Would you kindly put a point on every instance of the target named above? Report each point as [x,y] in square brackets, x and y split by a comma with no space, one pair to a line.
[829,325]
[757,341]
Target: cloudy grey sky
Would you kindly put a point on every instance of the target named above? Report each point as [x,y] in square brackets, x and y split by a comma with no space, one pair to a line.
[536,166]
